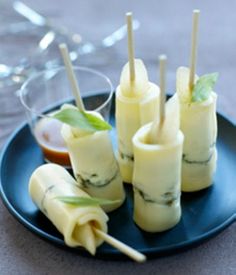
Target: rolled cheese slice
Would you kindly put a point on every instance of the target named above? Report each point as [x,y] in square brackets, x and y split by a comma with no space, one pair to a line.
[156,182]
[134,108]
[94,165]
[166,131]
[76,224]
[198,123]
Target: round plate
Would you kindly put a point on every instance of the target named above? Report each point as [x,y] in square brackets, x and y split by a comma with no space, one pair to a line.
[204,213]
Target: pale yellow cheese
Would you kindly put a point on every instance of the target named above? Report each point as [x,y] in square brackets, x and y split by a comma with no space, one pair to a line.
[199,125]
[140,83]
[156,181]
[136,104]
[94,165]
[166,132]
[76,224]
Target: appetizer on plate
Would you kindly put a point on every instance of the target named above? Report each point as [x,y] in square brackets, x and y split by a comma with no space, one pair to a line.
[198,122]
[47,184]
[199,125]
[93,161]
[157,168]
[137,103]
[87,138]
[76,215]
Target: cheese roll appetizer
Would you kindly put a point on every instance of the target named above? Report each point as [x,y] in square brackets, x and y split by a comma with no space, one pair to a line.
[93,161]
[50,181]
[137,103]
[157,172]
[198,123]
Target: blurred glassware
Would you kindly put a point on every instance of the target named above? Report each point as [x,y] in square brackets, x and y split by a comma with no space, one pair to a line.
[84,47]
[8,15]
[29,44]
[11,111]
[33,46]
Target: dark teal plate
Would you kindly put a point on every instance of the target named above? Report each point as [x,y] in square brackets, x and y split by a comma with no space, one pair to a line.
[205,213]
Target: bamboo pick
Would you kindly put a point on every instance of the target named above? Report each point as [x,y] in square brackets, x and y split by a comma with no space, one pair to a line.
[159,119]
[194,42]
[71,75]
[127,250]
[162,73]
[129,21]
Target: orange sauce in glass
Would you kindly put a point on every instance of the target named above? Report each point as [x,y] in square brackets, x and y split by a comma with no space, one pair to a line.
[48,135]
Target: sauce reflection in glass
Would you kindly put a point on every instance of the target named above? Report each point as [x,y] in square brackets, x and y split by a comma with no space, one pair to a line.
[48,135]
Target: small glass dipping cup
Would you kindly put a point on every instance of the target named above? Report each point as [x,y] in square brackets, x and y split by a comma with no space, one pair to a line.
[46,91]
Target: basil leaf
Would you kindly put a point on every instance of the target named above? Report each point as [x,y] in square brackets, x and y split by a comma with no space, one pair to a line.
[85,201]
[82,120]
[203,87]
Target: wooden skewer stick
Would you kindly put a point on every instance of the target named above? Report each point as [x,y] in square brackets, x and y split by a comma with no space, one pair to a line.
[71,75]
[162,62]
[193,57]
[129,21]
[158,121]
[132,253]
